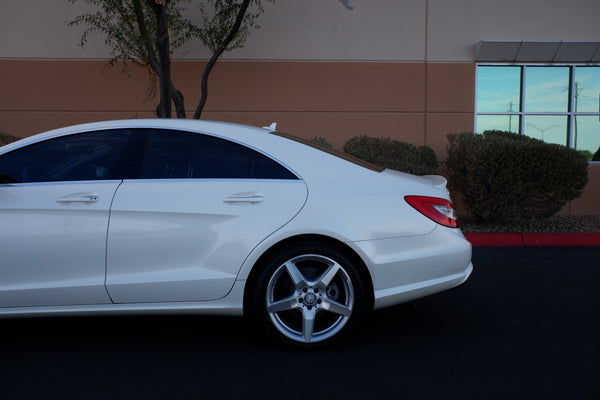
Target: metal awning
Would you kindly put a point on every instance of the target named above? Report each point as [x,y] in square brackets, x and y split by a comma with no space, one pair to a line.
[542,52]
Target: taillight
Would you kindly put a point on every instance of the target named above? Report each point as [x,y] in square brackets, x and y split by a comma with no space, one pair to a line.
[436,209]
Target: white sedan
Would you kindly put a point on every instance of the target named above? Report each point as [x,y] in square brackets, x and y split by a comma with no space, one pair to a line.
[180,216]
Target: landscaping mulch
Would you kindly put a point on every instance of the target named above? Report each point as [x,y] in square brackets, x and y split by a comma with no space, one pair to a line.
[558,223]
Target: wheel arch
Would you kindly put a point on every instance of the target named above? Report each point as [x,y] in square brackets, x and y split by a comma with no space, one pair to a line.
[305,239]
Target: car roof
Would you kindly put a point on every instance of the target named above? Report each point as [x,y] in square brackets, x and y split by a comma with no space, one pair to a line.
[210,127]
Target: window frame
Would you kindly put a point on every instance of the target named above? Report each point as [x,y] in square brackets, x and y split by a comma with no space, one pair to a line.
[570,114]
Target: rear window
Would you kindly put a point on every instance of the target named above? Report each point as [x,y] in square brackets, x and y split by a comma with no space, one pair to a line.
[329,150]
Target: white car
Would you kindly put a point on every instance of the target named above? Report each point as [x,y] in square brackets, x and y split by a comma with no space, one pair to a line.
[185,216]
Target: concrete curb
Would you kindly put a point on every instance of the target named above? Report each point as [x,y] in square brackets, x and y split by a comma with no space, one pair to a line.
[533,239]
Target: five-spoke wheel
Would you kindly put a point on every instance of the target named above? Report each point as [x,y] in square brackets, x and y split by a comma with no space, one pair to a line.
[309,294]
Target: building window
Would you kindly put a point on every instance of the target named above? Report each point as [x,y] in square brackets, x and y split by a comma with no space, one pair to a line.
[557,104]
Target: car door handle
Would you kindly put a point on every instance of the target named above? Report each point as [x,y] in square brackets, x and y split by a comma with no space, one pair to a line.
[244,198]
[79,198]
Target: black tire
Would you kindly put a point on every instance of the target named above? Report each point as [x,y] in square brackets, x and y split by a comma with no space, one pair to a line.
[309,295]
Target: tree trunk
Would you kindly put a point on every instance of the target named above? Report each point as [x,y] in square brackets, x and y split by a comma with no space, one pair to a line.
[177,98]
[164,59]
[217,53]
[154,64]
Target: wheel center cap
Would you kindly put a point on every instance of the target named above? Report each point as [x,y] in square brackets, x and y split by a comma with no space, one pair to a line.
[310,299]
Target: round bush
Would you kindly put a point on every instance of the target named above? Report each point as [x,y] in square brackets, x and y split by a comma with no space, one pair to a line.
[393,154]
[321,140]
[503,175]
[5,138]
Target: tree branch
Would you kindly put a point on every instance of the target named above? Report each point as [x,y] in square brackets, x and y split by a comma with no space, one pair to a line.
[139,15]
[217,53]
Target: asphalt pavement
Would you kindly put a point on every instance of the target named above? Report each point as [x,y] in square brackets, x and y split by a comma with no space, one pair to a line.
[526,325]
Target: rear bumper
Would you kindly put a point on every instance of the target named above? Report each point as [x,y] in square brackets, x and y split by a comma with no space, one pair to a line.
[406,268]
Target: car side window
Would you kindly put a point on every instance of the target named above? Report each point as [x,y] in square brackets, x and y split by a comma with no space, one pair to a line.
[79,157]
[184,155]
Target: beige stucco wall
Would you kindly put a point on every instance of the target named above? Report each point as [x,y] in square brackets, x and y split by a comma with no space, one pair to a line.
[374,30]
[456,26]
[291,30]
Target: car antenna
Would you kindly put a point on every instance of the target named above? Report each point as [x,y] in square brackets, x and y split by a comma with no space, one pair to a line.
[272,127]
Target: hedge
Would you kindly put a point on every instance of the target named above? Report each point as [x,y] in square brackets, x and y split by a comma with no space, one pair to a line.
[393,154]
[5,138]
[321,140]
[503,175]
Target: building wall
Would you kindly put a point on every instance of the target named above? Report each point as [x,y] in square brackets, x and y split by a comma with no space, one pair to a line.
[374,30]
[329,99]
[395,68]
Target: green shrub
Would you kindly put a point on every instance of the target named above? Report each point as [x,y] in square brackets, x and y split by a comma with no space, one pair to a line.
[596,155]
[503,175]
[5,138]
[321,140]
[393,154]
[586,154]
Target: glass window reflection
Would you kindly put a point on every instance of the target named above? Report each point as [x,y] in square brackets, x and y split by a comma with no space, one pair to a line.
[548,128]
[586,134]
[556,104]
[498,89]
[587,89]
[547,89]
[508,123]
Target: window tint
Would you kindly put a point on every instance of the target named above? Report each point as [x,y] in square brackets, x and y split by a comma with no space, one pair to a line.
[181,155]
[80,157]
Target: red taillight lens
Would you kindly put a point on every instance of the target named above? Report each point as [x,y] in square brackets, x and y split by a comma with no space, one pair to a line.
[436,209]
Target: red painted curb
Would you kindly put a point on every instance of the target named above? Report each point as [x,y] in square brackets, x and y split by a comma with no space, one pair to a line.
[495,239]
[561,239]
[534,239]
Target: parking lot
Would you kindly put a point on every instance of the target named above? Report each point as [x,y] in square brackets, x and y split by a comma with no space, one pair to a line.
[525,325]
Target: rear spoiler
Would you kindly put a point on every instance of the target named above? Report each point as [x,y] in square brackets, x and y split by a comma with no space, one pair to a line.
[436,180]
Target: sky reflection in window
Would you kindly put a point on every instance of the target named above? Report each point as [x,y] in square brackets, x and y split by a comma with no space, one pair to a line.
[547,89]
[498,89]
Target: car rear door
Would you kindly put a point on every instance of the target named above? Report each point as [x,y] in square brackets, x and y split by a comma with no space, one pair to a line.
[182,231]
